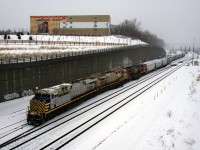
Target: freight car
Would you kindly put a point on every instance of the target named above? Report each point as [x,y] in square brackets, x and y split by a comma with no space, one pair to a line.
[164,61]
[134,72]
[171,58]
[147,67]
[49,102]
[158,63]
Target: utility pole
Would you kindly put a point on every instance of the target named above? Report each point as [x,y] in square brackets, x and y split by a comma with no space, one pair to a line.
[193,52]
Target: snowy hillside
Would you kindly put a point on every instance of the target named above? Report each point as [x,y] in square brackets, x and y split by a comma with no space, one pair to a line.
[54,44]
[94,39]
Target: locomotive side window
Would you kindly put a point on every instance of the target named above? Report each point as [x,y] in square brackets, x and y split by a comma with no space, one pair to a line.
[45,96]
[63,89]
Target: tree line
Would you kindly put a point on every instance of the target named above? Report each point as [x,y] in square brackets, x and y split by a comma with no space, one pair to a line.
[132,28]
[13,32]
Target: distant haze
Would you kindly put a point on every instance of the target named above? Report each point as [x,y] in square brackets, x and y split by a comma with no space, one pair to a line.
[177,22]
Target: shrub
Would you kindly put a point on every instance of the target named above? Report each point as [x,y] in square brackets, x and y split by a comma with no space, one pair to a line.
[19,36]
[30,38]
[5,36]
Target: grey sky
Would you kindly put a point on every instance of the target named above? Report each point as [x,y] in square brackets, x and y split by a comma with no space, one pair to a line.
[175,21]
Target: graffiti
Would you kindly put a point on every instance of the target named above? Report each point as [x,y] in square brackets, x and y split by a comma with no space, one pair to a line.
[27,92]
[127,62]
[11,96]
[116,68]
[16,95]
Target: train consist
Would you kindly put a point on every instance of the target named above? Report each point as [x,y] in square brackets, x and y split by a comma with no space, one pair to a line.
[49,102]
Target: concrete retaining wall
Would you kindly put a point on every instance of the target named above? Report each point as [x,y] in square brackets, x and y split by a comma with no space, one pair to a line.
[22,79]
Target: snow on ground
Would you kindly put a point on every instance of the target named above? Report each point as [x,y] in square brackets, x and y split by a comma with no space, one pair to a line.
[178,126]
[14,50]
[13,111]
[103,39]
[163,118]
[37,50]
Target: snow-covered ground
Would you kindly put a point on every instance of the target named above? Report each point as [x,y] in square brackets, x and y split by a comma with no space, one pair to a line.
[102,39]
[165,117]
[82,43]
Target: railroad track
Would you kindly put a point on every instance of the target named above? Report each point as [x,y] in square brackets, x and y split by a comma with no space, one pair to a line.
[11,131]
[18,111]
[11,128]
[90,106]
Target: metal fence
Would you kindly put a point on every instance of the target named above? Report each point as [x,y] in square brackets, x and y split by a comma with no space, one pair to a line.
[40,42]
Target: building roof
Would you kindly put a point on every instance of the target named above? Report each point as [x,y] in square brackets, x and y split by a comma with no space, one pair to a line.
[68,16]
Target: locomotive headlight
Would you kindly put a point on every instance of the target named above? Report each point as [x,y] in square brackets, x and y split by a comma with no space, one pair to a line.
[33,112]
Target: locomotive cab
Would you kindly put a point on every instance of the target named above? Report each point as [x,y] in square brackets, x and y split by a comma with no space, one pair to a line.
[38,106]
[45,100]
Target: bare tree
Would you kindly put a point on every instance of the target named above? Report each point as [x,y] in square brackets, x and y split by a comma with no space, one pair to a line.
[133,29]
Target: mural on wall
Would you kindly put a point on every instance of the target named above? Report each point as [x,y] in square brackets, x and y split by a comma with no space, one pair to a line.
[43,27]
[116,68]
[127,62]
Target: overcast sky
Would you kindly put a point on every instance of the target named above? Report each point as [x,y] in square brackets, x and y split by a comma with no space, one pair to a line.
[177,22]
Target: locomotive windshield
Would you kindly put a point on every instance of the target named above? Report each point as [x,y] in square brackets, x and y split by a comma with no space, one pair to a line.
[42,96]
